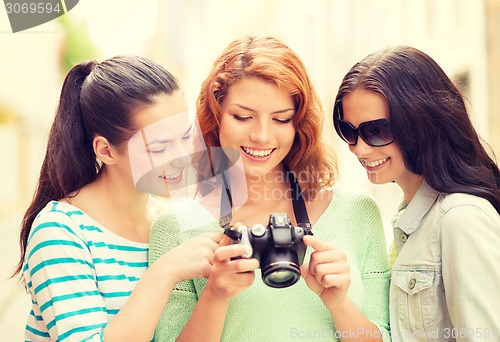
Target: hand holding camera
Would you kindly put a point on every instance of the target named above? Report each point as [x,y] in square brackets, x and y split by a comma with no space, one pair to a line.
[230,275]
[278,247]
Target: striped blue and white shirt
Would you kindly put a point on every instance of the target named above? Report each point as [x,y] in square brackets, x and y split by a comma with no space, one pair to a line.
[78,273]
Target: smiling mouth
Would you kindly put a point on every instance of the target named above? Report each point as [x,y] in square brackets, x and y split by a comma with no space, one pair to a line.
[376,162]
[257,153]
[171,178]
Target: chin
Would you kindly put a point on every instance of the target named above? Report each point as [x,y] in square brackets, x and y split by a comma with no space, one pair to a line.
[256,171]
[376,178]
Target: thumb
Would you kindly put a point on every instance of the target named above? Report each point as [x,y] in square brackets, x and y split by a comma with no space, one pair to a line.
[226,241]
[304,270]
[216,237]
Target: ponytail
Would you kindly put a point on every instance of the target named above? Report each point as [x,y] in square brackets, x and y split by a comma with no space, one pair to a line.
[96,100]
[69,161]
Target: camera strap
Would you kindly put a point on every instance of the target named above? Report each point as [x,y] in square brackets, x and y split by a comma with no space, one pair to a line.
[299,206]
[226,203]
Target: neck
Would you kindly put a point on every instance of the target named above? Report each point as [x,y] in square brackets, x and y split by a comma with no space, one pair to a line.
[270,187]
[410,186]
[120,207]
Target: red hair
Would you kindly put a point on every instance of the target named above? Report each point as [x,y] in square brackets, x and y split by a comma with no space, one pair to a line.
[269,59]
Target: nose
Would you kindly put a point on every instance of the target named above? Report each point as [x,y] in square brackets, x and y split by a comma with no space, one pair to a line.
[181,161]
[260,132]
[179,155]
[361,149]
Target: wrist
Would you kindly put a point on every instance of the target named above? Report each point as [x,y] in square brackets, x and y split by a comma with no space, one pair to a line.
[340,306]
[164,274]
[216,294]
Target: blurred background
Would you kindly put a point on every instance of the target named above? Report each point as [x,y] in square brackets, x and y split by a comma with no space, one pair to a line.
[186,36]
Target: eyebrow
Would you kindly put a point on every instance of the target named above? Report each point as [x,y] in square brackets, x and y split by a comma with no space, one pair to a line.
[276,112]
[164,141]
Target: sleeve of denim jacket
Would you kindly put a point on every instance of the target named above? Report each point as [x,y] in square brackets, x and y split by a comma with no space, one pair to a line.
[470,237]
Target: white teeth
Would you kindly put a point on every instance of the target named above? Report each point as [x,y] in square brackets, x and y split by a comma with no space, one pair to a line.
[257,153]
[172,176]
[376,162]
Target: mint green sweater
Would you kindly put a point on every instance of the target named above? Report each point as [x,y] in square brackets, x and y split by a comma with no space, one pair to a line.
[261,313]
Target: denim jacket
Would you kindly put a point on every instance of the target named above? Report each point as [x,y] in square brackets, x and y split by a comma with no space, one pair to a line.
[445,282]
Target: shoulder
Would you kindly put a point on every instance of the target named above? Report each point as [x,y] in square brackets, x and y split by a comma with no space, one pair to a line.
[59,229]
[177,209]
[353,197]
[156,204]
[180,215]
[464,201]
[353,209]
[467,212]
[61,215]
[60,209]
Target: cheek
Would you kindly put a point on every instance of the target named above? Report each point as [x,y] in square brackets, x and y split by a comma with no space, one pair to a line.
[288,134]
[225,129]
[397,157]
[223,138]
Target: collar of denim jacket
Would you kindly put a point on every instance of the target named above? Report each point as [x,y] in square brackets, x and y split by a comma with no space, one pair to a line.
[411,219]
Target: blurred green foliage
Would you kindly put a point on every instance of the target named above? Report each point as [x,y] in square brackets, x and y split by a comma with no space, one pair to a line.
[78,46]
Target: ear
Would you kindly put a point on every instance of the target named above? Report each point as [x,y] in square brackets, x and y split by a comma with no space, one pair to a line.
[104,151]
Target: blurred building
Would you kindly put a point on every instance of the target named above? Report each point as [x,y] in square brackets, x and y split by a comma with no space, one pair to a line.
[331,35]
[30,74]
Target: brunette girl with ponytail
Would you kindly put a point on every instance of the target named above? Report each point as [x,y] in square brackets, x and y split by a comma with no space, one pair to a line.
[85,236]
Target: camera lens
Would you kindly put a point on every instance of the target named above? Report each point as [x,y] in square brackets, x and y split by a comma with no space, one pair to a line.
[281,277]
[280,268]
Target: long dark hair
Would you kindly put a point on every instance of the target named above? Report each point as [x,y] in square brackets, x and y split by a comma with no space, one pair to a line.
[429,121]
[97,99]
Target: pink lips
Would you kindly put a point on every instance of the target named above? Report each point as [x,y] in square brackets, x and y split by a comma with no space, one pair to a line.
[257,158]
[172,181]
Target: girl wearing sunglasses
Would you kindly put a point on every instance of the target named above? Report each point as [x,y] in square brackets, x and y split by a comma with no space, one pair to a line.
[406,122]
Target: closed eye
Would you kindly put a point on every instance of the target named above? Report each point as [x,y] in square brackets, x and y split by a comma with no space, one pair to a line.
[241,118]
[283,121]
[158,150]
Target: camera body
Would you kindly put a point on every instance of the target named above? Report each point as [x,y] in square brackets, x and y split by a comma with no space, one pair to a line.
[278,247]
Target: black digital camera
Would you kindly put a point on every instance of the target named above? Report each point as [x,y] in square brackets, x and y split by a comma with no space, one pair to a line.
[278,247]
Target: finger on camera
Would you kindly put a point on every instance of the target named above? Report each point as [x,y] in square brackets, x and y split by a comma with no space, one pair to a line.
[304,269]
[225,253]
[234,284]
[215,237]
[225,241]
[318,245]
[211,240]
[244,278]
[244,265]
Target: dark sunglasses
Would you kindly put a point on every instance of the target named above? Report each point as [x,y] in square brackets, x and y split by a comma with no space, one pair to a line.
[374,133]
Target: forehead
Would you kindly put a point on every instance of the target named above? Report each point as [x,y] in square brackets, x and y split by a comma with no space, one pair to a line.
[363,105]
[163,106]
[256,92]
